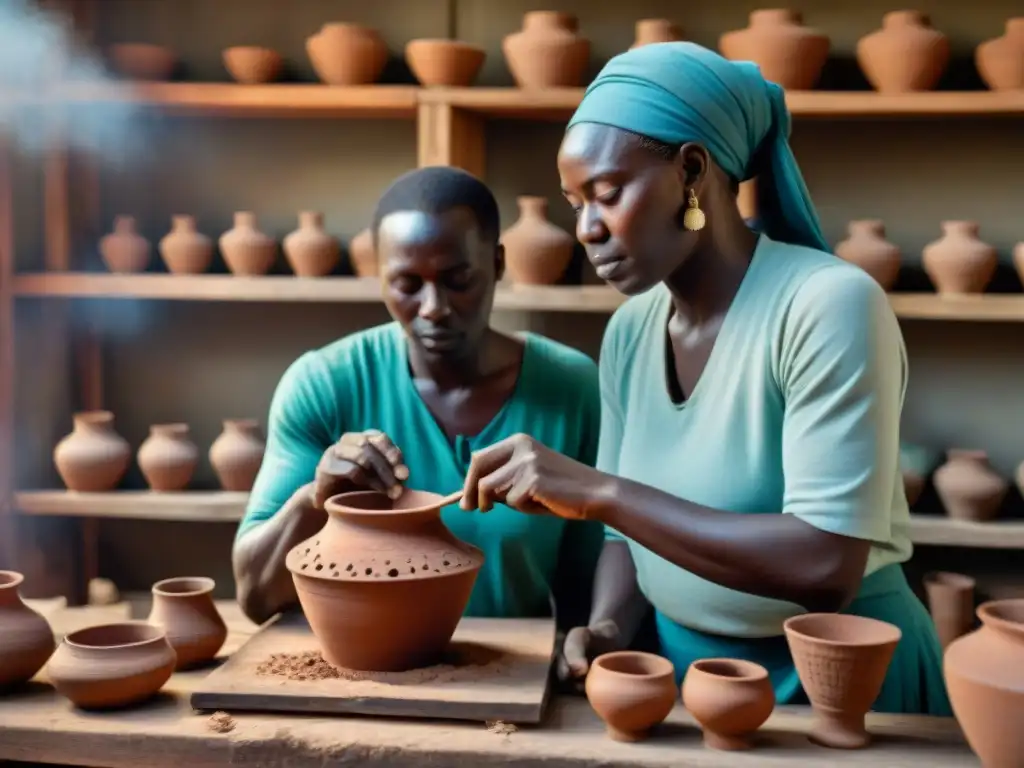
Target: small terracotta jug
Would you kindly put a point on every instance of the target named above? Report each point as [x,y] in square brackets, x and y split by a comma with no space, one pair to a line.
[347,54]
[237,453]
[310,251]
[632,692]
[168,457]
[787,52]
[730,698]
[1000,61]
[26,639]
[450,63]
[548,52]
[125,250]
[649,31]
[968,486]
[93,457]
[185,609]
[906,54]
[867,247]
[537,252]
[362,255]
[184,250]
[245,249]
[959,262]
[951,603]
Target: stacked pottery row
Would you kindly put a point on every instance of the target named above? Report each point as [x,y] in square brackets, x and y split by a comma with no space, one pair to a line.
[967,484]
[94,457]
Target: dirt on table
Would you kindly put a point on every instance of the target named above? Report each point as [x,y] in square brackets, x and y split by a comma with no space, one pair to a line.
[221,722]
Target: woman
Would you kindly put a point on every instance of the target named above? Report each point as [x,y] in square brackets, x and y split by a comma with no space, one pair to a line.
[751,389]
[409,402]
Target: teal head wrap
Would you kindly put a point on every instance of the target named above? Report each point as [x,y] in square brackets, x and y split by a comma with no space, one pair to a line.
[680,92]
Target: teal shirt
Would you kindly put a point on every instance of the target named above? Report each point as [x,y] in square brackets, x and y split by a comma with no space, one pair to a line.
[363,382]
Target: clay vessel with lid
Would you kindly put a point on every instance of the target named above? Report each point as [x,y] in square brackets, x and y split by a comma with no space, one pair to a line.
[730,698]
[951,603]
[384,583]
[237,453]
[124,250]
[168,457]
[310,251]
[93,457]
[632,692]
[347,54]
[968,486]
[362,255]
[252,64]
[906,54]
[247,250]
[26,639]
[841,661]
[112,665]
[867,247]
[647,31]
[959,261]
[143,61]
[537,252]
[548,52]
[984,673]
[451,63]
[787,52]
[1000,61]
[184,608]
[185,250]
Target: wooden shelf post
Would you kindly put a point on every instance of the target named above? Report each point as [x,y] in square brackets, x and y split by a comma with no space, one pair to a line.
[448,135]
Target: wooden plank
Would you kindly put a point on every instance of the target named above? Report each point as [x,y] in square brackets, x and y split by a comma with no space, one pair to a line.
[183,506]
[941,531]
[451,136]
[982,307]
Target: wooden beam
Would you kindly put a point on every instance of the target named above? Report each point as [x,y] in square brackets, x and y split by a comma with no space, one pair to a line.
[451,136]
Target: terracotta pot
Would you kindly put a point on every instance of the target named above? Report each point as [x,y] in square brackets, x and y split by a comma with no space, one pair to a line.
[867,247]
[26,639]
[730,699]
[632,692]
[125,250]
[842,661]
[444,62]
[237,453]
[968,486]
[985,678]
[959,262]
[143,61]
[310,251]
[93,457]
[384,583]
[951,603]
[168,457]
[112,665]
[787,52]
[184,250]
[1000,61]
[251,64]
[184,608]
[906,54]
[362,255]
[347,54]
[245,249]
[548,52]
[647,31]
[536,251]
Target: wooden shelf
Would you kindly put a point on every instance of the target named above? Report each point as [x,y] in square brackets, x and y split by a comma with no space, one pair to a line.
[994,307]
[941,531]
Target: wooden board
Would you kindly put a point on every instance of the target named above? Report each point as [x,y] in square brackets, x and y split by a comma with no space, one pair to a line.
[513,686]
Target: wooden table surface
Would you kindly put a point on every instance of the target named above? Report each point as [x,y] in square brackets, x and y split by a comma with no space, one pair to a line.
[39,726]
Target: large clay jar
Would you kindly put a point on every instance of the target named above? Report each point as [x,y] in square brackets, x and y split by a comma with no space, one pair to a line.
[26,639]
[536,251]
[124,249]
[195,629]
[184,250]
[93,457]
[450,63]
[968,486]
[384,583]
[245,249]
[787,52]
[959,262]
[237,453]
[867,247]
[1000,62]
[951,603]
[548,51]
[985,677]
[632,692]
[647,31]
[347,54]
[310,251]
[906,54]
[730,698]
[841,661]
[168,457]
[362,255]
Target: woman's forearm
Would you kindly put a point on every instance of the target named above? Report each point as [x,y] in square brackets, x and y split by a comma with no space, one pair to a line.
[617,597]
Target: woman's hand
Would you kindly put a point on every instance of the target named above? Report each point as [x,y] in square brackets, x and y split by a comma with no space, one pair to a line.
[360,461]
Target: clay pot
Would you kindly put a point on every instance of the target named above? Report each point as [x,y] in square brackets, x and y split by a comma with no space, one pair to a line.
[906,54]
[26,639]
[251,64]
[970,489]
[787,52]
[347,54]
[245,249]
[649,31]
[112,665]
[730,699]
[184,250]
[184,608]
[547,52]
[362,255]
[124,250]
[168,457]
[93,457]
[916,464]
[959,262]
[536,251]
[444,62]
[985,678]
[951,603]
[143,61]
[1000,61]
[632,692]
[310,251]
[384,583]
[867,247]
[842,661]
[237,453]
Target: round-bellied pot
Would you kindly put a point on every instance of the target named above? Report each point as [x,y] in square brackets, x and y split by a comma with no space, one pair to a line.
[787,52]
[907,54]
[730,698]
[347,54]
[438,62]
[26,640]
[168,457]
[237,453]
[866,246]
[93,457]
[548,52]
[632,692]
[124,249]
[184,607]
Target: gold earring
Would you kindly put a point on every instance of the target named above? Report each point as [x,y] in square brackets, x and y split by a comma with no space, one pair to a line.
[693,218]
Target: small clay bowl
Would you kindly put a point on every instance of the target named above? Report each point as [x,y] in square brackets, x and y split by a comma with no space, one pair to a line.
[730,698]
[632,692]
[251,64]
[143,61]
[444,62]
[112,665]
